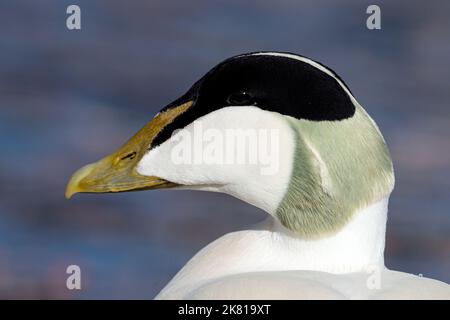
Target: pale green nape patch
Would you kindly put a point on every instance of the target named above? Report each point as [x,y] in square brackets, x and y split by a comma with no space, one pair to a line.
[339,167]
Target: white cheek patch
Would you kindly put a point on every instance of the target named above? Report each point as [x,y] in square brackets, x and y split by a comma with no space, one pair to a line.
[229,147]
[243,151]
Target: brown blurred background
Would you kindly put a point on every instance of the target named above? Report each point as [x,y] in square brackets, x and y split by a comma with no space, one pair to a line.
[70,97]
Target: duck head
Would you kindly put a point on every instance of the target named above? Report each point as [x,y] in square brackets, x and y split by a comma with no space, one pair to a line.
[277,130]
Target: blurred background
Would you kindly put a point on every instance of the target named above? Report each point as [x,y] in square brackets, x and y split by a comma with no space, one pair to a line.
[70,97]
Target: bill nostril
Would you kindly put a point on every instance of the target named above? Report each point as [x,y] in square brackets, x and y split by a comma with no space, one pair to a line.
[129,156]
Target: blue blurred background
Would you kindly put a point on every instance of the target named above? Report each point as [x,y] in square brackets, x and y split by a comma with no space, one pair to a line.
[71,97]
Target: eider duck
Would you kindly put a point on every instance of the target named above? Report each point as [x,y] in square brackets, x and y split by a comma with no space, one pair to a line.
[325,190]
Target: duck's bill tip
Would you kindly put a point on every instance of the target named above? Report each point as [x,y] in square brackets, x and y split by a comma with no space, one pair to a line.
[73,186]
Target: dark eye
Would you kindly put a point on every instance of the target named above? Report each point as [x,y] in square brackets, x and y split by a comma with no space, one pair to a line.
[239,98]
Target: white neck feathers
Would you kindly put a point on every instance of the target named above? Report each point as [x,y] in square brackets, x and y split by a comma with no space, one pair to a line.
[359,246]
